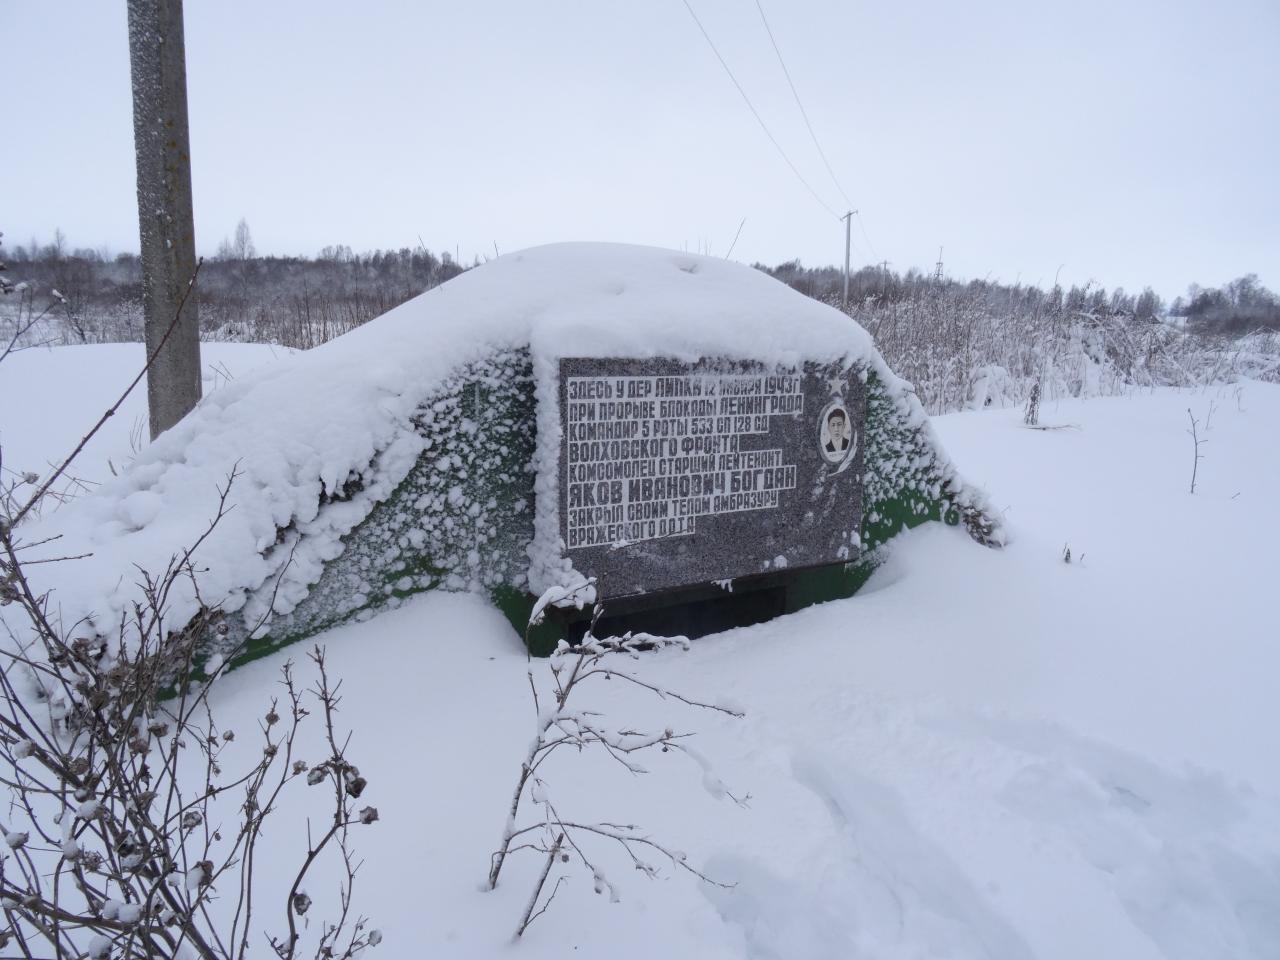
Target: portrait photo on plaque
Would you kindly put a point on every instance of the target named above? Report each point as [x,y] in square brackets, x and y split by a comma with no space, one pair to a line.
[836,438]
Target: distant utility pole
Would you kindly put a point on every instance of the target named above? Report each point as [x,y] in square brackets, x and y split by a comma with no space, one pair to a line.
[884,276]
[166,228]
[937,269]
[848,219]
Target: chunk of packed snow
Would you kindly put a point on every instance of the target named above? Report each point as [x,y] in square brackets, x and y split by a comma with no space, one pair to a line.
[16,839]
[195,877]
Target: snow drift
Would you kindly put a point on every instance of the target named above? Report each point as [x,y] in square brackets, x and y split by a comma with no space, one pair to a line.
[313,444]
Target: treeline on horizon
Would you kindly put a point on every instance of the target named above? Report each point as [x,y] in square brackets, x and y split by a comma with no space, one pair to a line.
[1239,307]
[308,300]
[980,342]
[960,343]
[295,301]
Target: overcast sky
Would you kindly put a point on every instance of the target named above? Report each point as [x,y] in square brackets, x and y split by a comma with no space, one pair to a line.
[1127,142]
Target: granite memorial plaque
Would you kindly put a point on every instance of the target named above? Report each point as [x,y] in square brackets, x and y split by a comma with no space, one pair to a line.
[675,474]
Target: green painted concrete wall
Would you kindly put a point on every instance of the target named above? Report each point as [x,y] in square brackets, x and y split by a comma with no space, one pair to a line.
[463,517]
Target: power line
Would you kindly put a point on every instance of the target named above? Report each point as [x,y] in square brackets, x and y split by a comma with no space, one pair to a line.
[803,113]
[863,228]
[755,113]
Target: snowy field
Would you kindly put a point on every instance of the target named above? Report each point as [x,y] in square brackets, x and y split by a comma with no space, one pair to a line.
[986,754]
[52,396]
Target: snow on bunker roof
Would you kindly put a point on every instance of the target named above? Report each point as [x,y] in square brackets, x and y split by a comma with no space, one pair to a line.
[301,431]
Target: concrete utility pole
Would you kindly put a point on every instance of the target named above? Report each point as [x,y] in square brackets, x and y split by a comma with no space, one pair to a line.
[848,219]
[884,276]
[166,228]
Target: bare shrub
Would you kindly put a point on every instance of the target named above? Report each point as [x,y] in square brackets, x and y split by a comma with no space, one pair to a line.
[1032,416]
[562,839]
[128,832]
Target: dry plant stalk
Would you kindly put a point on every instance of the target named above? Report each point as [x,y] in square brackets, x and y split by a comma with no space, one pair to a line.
[1196,444]
[123,826]
[561,839]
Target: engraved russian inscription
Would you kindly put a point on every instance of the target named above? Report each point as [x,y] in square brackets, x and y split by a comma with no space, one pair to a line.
[674,474]
[647,456]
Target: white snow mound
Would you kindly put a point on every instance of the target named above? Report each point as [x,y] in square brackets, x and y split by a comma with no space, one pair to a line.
[310,423]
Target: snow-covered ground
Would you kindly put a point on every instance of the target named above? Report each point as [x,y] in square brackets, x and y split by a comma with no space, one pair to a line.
[50,397]
[984,754]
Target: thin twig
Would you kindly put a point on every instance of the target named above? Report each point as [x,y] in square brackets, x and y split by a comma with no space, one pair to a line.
[111,411]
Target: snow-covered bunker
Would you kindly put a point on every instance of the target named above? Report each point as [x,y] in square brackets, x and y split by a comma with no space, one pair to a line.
[425,451]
